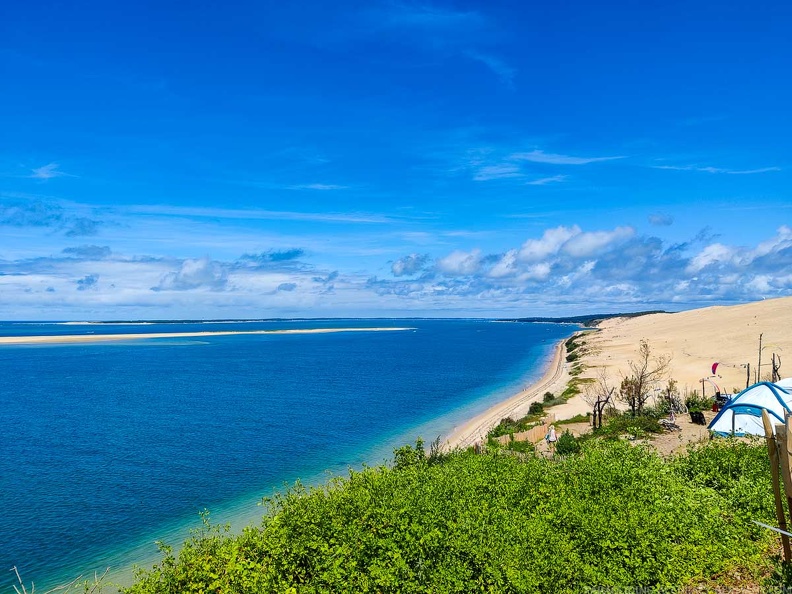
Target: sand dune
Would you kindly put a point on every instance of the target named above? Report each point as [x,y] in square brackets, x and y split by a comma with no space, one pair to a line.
[695,339]
[698,338]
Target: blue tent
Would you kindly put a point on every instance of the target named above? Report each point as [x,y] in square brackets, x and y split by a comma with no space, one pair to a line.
[742,415]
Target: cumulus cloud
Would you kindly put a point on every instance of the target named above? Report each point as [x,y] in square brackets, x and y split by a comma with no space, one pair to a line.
[87,282]
[584,245]
[459,263]
[273,257]
[81,226]
[195,274]
[550,242]
[39,213]
[409,265]
[608,267]
[661,220]
[89,252]
[326,279]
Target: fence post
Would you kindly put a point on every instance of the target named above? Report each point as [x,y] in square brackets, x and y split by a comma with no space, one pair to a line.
[772,450]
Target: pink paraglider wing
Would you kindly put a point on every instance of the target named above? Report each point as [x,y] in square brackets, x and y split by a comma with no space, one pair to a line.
[714,367]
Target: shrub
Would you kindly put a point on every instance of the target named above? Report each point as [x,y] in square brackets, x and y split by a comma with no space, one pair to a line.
[625,423]
[615,517]
[694,402]
[537,408]
[567,444]
[548,396]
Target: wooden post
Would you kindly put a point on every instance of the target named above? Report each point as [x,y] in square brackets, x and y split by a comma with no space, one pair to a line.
[772,450]
[759,367]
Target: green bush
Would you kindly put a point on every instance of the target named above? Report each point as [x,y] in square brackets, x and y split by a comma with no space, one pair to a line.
[567,444]
[548,396]
[613,517]
[626,424]
[694,402]
[537,408]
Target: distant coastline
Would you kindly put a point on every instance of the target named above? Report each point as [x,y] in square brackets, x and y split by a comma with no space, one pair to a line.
[89,338]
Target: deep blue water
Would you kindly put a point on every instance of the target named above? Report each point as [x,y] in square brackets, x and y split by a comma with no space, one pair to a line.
[106,448]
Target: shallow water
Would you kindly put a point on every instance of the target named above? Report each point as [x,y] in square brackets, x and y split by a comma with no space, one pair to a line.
[108,447]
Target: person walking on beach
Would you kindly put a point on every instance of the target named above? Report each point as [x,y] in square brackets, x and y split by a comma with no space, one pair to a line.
[551,438]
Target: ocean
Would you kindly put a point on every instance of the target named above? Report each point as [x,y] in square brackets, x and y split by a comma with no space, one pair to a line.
[109,447]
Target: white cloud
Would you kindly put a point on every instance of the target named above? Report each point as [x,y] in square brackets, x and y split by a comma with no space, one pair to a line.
[459,263]
[47,172]
[194,274]
[501,69]
[538,156]
[409,265]
[502,171]
[320,187]
[506,266]
[716,169]
[543,181]
[583,245]
[550,242]
[233,213]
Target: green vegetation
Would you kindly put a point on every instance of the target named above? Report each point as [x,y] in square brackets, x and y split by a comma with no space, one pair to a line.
[509,426]
[567,444]
[613,516]
[581,418]
[625,424]
[695,402]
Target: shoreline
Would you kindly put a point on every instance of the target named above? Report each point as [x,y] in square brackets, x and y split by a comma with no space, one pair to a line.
[82,338]
[554,379]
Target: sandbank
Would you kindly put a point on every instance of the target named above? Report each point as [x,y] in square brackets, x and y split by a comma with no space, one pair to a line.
[88,338]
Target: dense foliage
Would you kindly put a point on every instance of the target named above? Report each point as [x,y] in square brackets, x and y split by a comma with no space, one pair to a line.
[613,515]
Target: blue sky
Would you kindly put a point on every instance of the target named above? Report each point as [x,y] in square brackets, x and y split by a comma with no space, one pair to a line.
[162,160]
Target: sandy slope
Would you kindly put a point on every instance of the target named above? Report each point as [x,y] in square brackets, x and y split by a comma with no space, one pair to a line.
[698,338]
[695,339]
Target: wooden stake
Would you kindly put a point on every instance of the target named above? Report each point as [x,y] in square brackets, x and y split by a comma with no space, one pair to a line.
[772,450]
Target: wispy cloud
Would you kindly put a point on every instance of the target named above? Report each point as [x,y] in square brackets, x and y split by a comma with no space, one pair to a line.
[501,69]
[425,15]
[230,213]
[546,180]
[538,156]
[716,169]
[502,171]
[320,187]
[48,172]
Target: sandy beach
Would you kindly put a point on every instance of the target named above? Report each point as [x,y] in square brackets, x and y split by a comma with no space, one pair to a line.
[88,338]
[554,380]
[694,339]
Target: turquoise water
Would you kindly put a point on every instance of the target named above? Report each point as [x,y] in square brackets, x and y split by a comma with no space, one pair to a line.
[109,447]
